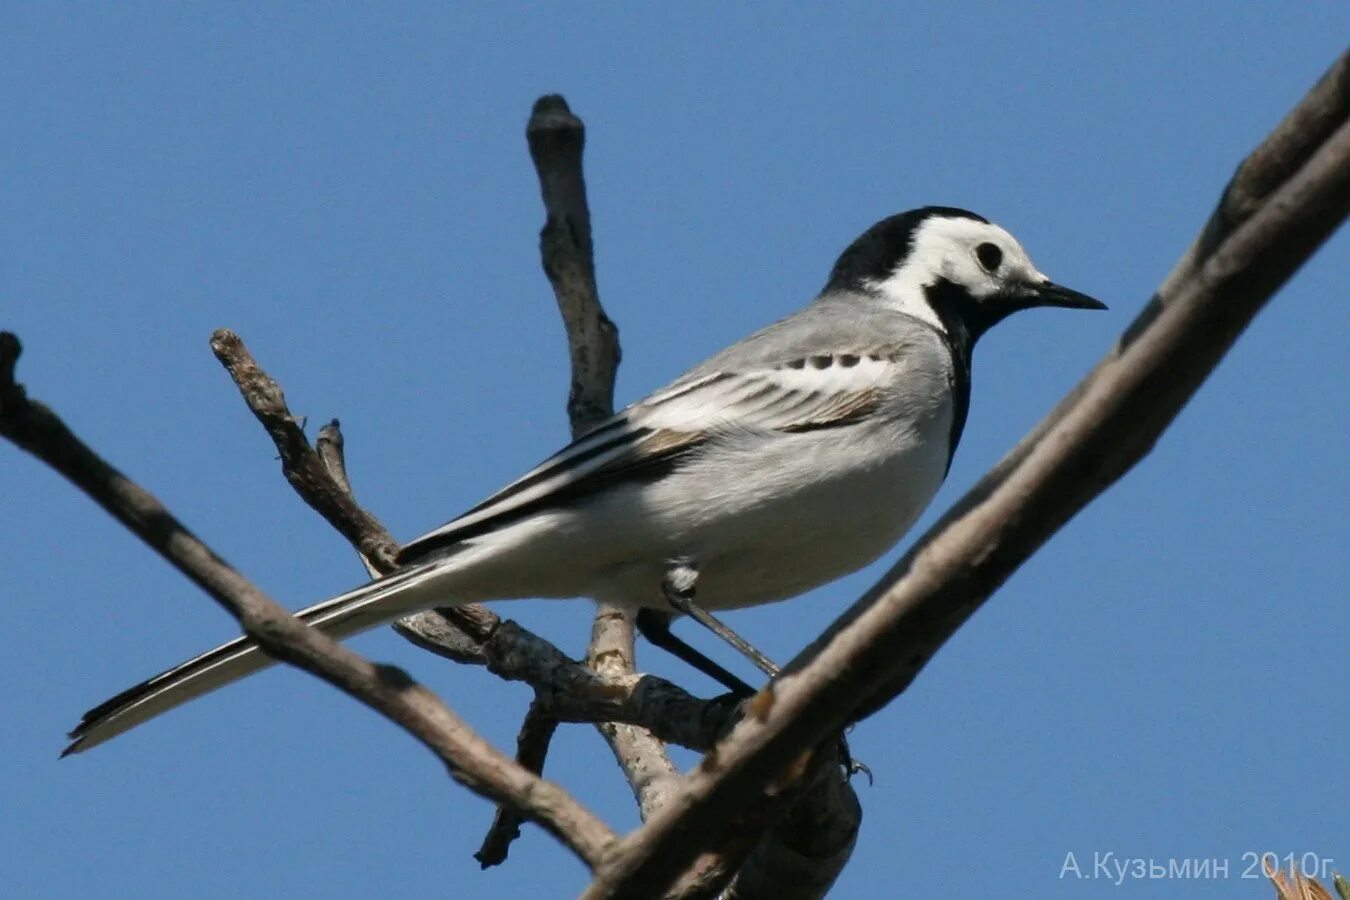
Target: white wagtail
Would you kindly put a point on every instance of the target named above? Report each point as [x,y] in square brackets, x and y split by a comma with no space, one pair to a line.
[789,459]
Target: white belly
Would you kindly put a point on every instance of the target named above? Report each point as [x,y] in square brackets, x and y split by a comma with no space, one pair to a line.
[764,525]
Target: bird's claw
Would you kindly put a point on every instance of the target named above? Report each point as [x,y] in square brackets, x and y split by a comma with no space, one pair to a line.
[850,765]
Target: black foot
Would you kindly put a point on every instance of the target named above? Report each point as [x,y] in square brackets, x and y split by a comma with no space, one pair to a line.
[654,625]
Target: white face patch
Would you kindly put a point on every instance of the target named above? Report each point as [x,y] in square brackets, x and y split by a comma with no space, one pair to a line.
[951,248]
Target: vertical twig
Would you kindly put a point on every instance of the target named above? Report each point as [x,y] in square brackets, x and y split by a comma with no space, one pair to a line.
[532,743]
[557,138]
[644,759]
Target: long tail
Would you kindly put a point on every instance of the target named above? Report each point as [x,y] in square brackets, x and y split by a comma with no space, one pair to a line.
[366,607]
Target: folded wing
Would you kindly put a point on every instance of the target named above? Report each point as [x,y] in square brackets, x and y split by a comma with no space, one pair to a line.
[647,439]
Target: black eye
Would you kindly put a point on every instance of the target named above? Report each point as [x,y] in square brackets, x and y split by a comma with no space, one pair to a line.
[990,257]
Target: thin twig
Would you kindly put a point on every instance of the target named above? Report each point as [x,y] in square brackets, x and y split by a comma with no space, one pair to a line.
[329,447]
[879,646]
[557,139]
[474,635]
[385,689]
[319,476]
[299,463]
[532,743]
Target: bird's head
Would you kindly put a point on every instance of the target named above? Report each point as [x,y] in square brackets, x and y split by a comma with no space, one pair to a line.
[951,268]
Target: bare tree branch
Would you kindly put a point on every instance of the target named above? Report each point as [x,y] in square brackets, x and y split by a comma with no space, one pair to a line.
[557,139]
[532,743]
[475,635]
[536,732]
[329,446]
[1295,191]
[299,463]
[319,475]
[811,815]
[640,753]
[574,692]
[463,634]
[385,689]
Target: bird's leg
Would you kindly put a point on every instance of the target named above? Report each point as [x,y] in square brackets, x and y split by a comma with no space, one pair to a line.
[678,587]
[654,625]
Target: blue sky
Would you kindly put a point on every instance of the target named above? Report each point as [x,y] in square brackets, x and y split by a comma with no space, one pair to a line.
[350,190]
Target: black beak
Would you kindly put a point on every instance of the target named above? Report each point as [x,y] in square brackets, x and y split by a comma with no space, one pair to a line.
[1051,294]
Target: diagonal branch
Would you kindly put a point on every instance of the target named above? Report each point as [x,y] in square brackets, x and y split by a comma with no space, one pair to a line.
[624,706]
[567,690]
[473,634]
[1285,200]
[466,634]
[385,689]
[574,692]
[301,465]
[318,473]
[329,446]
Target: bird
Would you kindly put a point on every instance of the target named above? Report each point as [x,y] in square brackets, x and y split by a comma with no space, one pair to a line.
[793,457]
